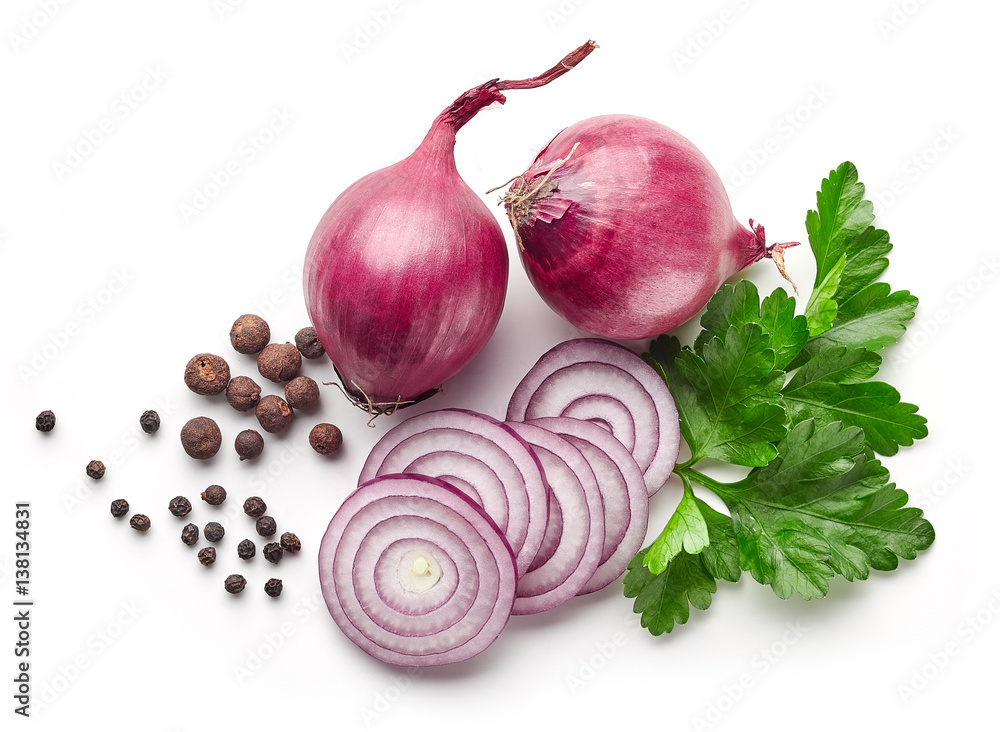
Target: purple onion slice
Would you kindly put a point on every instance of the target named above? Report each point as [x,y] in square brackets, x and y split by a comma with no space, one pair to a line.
[623,490]
[415,573]
[601,381]
[482,458]
[576,542]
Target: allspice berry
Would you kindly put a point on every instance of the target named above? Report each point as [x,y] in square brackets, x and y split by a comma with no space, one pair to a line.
[326,438]
[249,334]
[301,392]
[279,362]
[274,414]
[243,393]
[308,344]
[207,374]
[249,444]
[201,438]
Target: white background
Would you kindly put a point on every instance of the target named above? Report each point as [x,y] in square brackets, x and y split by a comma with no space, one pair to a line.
[109,288]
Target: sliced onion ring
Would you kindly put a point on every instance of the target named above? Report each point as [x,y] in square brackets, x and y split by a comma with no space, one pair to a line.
[480,457]
[602,381]
[415,613]
[577,552]
[623,490]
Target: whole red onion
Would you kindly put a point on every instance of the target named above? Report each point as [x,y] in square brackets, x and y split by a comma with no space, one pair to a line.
[625,228]
[406,273]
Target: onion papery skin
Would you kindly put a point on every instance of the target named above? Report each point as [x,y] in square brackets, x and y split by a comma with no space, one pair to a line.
[406,276]
[633,233]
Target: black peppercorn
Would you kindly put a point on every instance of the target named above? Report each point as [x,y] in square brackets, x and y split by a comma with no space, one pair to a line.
[189,534]
[273,587]
[266,526]
[207,555]
[326,438]
[201,438]
[235,583]
[139,522]
[249,334]
[301,392]
[45,421]
[273,552]
[249,444]
[95,469]
[119,507]
[243,393]
[308,344]
[214,531]
[214,495]
[180,506]
[290,543]
[246,549]
[279,362]
[207,374]
[274,414]
[254,507]
[149,421]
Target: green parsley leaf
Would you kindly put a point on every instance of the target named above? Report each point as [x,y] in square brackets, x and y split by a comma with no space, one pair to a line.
[831,388]
[788,331]
[822,507]
[685,531]
[666,598]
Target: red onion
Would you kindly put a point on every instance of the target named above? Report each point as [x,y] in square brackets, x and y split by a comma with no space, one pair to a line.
[605,383]
[625,228]
[574,542]
[406,273]
[482,458]
[415,573]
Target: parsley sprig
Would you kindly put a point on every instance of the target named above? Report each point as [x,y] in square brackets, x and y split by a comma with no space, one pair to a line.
[792,397]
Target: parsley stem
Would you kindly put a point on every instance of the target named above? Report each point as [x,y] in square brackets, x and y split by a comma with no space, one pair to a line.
[690,475]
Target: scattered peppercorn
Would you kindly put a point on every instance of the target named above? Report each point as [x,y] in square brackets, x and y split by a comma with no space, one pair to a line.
[201,438]
[279,362]
[119,507]
[326,438]
[149,421]
[290,543]
[274,414]
[45,421]
[308,344]
[249,334]
[207,555]
[273,552]
[180,506]
[235,583]
[301,392]
[254,507]
[243,393]
[266,526]
[273,587]
[207,374]
[214,531]
[189,534]
[95,469]
[139,522]
[249,444]
[246,549]
[213,495]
